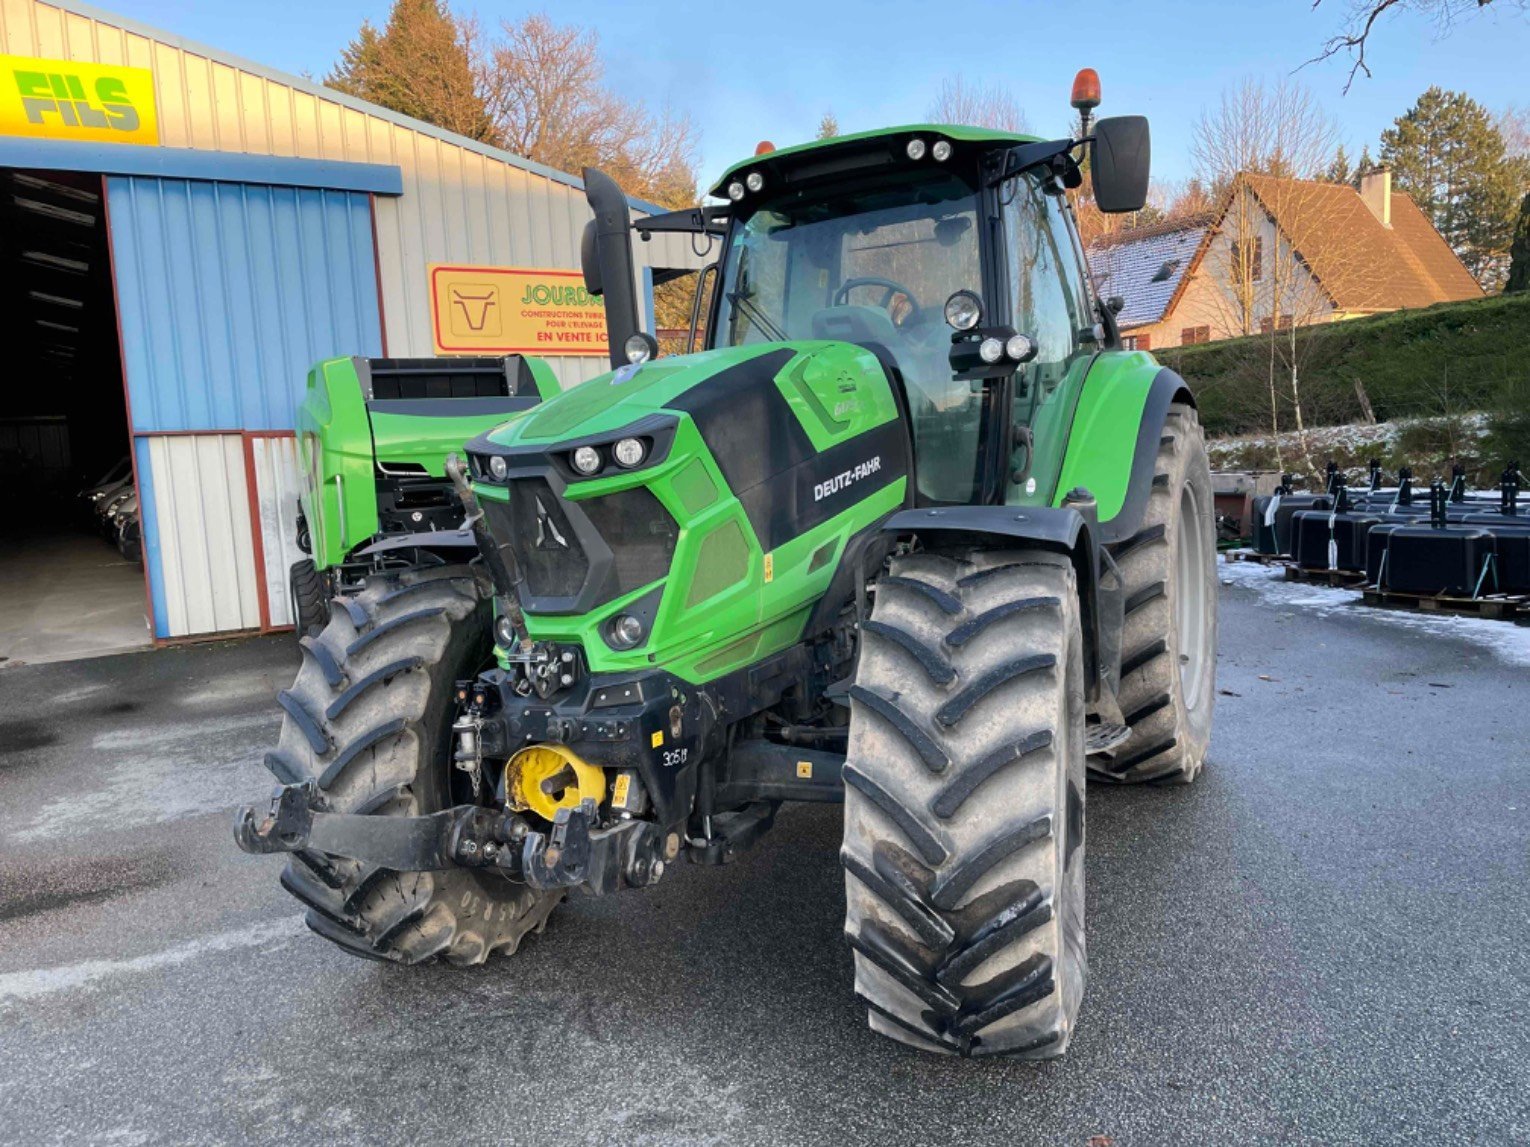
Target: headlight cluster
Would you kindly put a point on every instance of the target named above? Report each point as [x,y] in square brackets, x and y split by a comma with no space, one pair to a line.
[939,151]
[626,453]
[753,182]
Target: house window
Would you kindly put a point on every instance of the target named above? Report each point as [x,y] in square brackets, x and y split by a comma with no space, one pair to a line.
[1255,256]
[1189,336]
[1268,325]
[1137,342]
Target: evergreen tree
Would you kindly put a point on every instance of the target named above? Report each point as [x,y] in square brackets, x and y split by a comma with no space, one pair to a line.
[422,65]
[1519,251]
[1447,153]
[1339,170]
[1364,165]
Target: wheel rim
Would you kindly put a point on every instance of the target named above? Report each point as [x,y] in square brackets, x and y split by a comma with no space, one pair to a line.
[1190,596]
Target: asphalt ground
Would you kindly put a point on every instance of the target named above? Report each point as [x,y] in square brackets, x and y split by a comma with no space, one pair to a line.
[1325,940]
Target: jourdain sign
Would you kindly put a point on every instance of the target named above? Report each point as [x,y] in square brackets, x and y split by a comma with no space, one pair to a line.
[59,99]
[514,310]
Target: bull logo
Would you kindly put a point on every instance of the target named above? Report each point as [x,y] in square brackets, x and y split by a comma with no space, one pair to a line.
[474,308]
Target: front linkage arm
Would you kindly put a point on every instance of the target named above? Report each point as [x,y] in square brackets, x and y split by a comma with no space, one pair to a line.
[573,853]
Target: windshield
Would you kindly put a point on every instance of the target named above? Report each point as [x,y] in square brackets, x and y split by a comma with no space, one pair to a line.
[871,265]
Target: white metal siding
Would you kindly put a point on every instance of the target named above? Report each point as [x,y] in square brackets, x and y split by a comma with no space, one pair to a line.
[459,204]
[276,493]
[200,548]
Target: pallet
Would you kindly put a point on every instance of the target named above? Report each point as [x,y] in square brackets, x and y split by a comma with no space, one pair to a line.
[1254,556]
[1496,606]
[1338,579]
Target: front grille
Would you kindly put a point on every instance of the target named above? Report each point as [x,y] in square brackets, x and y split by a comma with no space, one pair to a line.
[639,531]
[575,556]
[551,558]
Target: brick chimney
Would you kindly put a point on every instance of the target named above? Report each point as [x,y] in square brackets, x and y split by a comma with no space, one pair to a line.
[1376,193]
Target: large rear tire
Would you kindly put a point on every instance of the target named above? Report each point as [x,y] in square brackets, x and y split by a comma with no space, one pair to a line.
[1169,641]
[964,805]
[305,590]
[369,718]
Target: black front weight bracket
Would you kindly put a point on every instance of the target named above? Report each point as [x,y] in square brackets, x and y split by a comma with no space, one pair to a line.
[572,853]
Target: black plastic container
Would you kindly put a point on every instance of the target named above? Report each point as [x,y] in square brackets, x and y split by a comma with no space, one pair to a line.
[1428,559]
[1275,538]
[1313,530]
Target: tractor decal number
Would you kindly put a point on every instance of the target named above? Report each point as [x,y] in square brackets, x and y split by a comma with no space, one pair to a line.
[847,478]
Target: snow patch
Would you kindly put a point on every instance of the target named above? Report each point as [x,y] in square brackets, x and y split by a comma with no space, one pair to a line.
[16,986]
[1509,641]
[150,775]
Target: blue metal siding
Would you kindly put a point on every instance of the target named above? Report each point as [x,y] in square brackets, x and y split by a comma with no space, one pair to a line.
[229,292]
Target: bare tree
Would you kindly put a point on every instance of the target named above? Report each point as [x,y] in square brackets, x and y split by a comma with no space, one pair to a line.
[1361,17]
[978,105]
[545,91]
[828,126]
[1248,149]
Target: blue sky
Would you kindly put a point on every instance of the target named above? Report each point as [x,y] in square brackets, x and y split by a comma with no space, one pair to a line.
[769,73]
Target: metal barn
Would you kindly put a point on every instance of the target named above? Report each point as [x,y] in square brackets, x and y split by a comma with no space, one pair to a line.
[184,234]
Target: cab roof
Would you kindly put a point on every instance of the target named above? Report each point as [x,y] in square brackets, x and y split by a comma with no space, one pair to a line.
[827,148]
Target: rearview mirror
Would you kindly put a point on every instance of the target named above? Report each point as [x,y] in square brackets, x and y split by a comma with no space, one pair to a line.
[1119,159]
[589,260]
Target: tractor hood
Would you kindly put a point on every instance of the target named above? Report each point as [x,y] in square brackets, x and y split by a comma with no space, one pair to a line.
[764,442]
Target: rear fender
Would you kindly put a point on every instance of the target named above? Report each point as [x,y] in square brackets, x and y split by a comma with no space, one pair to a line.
[334,447]
[1070,530]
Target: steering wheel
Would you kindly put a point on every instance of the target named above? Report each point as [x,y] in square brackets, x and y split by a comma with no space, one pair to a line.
[892,287]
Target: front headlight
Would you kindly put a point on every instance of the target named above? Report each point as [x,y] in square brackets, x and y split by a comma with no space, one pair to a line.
[624,632]
[639,347]
[629,452]
[498,467]
[586,460]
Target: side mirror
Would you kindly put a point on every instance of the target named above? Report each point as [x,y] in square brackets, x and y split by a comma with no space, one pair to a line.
[589,259]
[1119,158]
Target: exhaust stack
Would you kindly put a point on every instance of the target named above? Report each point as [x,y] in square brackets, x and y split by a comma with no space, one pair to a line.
[606,256]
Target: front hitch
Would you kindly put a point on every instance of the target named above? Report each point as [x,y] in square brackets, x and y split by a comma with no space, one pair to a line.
[573,853]
[466,836]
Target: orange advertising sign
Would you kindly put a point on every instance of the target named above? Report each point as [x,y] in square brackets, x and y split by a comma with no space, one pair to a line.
[513,310]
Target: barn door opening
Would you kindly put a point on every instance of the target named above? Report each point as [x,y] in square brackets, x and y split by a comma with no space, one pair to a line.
[71,553]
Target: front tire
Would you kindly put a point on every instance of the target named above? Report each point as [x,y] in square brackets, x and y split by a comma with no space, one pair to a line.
[1169,638]
[964,805]
[369,718]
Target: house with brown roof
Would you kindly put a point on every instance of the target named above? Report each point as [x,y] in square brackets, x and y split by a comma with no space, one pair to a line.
[1276,254]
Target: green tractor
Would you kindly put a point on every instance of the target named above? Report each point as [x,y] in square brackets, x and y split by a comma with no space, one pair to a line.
[373,436]
[912,533]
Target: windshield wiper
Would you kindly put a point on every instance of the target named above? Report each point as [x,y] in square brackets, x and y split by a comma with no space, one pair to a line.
[752,312]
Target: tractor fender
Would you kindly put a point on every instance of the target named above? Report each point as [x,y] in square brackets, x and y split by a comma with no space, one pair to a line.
[1069,529]
[1113,441]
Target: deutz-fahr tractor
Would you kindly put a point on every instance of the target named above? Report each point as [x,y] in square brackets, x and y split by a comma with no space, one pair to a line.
[373,436]
[912,532]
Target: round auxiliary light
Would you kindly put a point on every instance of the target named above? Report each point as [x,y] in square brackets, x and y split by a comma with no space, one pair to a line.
[1021,348]
[498,467]
[504,633]
[735,191]
[941,150]
[964,310]
[626,631]
[586,459]
[637,348]
[629,452]
[990,350]
[754,181]
[915,149]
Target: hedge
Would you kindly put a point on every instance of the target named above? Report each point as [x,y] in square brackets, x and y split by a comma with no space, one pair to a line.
[1439,360]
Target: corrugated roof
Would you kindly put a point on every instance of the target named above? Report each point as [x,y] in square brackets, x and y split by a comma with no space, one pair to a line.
[1144,266]
[319,91]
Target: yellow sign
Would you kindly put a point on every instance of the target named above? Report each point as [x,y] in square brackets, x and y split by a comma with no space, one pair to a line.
[509,310]
[58,99]
[657,739]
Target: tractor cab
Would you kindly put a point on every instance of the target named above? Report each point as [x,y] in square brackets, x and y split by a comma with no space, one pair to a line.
[952,252]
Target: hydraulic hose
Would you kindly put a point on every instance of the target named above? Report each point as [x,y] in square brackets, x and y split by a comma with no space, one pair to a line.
[504,571]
